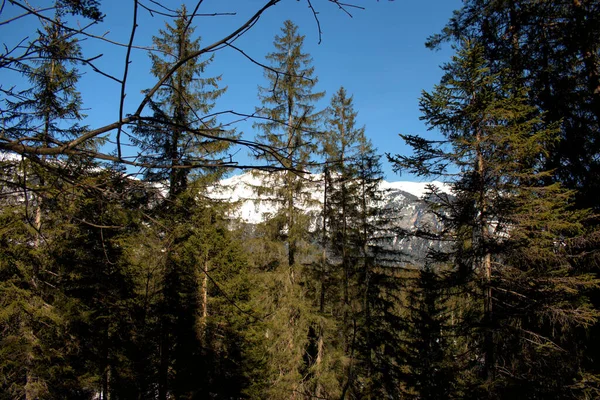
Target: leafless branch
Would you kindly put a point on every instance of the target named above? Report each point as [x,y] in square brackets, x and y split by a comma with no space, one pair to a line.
[173,13]
[23,15]
[83,221]
[88,61]
[82,31]
[195,54]
[187,26]
[254,61]
[159,4]
[29,146]
[124,81]
[315,14]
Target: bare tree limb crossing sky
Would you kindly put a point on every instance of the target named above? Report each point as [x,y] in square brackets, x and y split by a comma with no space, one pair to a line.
[375,49]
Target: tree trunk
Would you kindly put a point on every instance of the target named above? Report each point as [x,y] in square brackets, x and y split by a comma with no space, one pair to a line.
[485,267]
[290,195]
[319,360]
[163,371]
[204,290]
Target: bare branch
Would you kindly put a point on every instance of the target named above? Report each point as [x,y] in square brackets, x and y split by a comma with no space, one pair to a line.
[82,31]
[314,12]
[124,81]
[192,16]
[173,13]
[195,54]
[24,15]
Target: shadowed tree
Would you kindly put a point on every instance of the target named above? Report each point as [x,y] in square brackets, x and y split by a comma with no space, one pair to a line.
[502,213]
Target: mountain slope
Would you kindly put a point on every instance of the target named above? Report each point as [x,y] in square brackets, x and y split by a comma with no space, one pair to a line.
[400,200]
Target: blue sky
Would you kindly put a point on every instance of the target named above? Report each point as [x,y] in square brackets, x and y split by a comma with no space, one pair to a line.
[378,55]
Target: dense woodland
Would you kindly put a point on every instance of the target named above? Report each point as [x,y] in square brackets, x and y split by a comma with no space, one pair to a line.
[114,287]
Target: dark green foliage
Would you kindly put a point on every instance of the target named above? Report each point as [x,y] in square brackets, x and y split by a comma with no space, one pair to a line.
[288,102]
[290,130]
[289,127]
[553,49]
[429,338]
[179,133]
[504,224]
[39,319]
[89,258]
[65,292]
[53,98]
[359,275]
[123,289]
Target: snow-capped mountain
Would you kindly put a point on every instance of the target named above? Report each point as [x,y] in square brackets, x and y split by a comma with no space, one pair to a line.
[254,208]
[400,200]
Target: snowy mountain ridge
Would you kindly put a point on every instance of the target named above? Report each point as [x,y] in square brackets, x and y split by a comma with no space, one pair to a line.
[254,208]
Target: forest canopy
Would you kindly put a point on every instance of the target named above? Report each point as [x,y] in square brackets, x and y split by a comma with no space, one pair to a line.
[115,286]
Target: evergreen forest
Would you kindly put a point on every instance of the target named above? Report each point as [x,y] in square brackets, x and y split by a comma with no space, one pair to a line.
[120,285]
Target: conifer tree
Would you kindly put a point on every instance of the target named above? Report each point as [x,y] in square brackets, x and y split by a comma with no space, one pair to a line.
[560,64]
[552,48]
[503,213]
[430,351]
[336,270]
[290,129]
[179,131]
[93,274]
[380,277]
[34,303]
[360,287]
[211,319]
[341,220]
[176,133]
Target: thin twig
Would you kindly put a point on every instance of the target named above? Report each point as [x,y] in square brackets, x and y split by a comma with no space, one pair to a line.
[195,54]
[124,81]
[314,12]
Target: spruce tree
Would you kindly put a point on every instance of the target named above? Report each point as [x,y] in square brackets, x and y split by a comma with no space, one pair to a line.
[502,213]
[336,269]
[558,62]
[178,132]
[92,272]
[290,129]
[552,48]
[341,224]
[36,308]
[428,339]
[357,285]
[380,277]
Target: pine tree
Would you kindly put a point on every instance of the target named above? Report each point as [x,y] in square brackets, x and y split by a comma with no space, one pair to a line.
[341,223]
[360,288]
[552,48]
[179,133]
[290,129]
[288,126]
[36,308]
[380,276]
[558,61]
[92,272]
[430,351]
[494,149]
[336,269]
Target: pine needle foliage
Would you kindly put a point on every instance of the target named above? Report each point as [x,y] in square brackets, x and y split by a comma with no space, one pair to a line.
[179,131]
[289,127]
[502,213]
